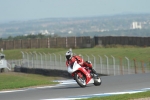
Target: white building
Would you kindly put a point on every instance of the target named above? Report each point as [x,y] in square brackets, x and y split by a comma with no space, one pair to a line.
[44,32]
[136,25]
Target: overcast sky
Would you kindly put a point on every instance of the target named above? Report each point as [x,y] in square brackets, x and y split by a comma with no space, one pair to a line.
[13,10]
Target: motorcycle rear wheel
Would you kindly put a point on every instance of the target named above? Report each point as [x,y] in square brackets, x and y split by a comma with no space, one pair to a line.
[80,80]
[97,81]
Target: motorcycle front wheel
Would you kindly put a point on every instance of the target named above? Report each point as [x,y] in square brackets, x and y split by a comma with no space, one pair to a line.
[80,79]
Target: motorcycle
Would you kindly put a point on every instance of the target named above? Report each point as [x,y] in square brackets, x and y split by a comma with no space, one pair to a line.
[83,75]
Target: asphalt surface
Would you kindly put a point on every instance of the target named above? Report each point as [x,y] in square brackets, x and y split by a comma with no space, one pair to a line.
[119,83]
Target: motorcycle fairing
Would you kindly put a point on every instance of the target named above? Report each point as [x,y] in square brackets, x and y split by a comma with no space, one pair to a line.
[76,67]
[73,68]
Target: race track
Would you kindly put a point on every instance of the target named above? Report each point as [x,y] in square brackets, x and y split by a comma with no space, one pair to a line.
[69,89]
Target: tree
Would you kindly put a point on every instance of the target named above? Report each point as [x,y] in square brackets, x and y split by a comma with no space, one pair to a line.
[10,38]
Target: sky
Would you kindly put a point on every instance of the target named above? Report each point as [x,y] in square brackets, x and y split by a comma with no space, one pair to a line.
[20,10]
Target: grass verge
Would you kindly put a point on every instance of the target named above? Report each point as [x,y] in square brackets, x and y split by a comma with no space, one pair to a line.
[12,80]
[135,96]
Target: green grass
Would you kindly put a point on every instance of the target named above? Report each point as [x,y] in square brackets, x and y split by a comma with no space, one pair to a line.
[123,96]
[16,53]
[138,53]
[12,80]
[131,53]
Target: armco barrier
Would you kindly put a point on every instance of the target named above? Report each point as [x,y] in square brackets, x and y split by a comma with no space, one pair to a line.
[46,72]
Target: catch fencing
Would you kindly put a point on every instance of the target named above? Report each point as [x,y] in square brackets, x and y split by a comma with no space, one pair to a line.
[103,64]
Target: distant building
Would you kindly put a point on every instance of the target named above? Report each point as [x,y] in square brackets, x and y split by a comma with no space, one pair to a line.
[44,32]
[136,25]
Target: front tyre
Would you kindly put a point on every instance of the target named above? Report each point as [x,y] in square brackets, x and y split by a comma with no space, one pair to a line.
[80,79]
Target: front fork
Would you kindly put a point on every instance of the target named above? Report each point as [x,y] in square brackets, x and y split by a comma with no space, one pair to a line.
[79,74]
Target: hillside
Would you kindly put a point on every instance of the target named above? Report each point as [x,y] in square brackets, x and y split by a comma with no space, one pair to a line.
[99,25]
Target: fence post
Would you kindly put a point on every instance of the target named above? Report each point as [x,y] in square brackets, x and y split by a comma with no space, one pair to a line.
[114,64]
[22,57]
[59,60]
[32,58]
[143,69]
[54,60]
[66,42]
[35,64]
[94,62]
[50,59]
[48,43]
[100,62]
[27,58]
[45,60]
[41,59]
[88,57]
[121,66]
[128,64]
[107,65]
[135,66]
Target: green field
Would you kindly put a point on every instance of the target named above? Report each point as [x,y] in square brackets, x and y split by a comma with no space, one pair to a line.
[138,53]
[12,80]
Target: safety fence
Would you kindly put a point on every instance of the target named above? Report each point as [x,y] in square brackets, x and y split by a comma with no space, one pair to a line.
[103,64]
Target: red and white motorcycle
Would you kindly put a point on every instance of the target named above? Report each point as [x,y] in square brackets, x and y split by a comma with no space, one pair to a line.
[82,75]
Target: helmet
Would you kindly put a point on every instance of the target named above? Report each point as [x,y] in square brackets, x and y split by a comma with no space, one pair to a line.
[69,54]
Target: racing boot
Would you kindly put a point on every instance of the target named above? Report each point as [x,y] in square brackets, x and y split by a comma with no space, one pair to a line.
[94,74]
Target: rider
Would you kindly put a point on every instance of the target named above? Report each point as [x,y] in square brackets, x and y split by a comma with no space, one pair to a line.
[72,58]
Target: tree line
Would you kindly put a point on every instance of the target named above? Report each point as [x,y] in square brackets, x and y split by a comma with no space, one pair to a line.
[31,36]
[131,32]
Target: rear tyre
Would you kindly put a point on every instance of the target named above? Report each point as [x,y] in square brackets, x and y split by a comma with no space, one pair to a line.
[80,79]
[97,81]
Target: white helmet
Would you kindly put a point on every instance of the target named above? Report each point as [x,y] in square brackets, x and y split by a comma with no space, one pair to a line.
[69,54]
